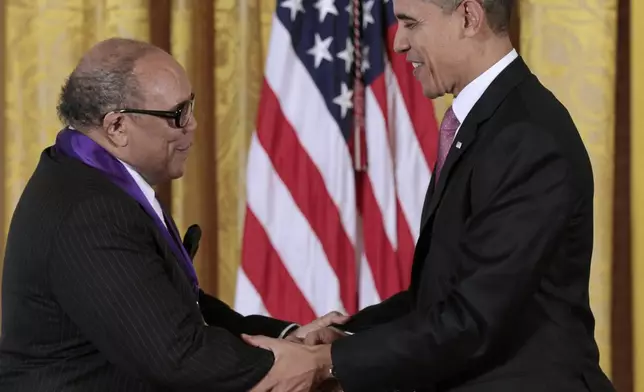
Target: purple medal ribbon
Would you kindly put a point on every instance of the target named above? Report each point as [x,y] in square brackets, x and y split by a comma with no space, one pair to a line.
[76,145]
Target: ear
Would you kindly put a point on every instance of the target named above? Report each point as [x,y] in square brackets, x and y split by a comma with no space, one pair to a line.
[473,15]
[115,127]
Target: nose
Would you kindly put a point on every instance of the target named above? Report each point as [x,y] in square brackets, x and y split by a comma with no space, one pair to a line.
[401,42]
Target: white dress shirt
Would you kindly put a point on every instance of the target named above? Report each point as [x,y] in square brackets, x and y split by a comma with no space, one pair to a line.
[147,190]
[467,98]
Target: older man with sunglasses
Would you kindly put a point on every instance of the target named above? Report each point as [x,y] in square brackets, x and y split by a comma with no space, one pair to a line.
[99,291]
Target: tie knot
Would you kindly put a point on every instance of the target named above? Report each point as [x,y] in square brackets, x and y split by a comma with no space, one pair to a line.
[450,123]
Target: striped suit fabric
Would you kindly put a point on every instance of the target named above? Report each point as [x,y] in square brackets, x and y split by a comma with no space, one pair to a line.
[93,298]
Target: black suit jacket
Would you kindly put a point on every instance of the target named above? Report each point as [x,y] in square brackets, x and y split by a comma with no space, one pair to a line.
[93,299]
[499,294]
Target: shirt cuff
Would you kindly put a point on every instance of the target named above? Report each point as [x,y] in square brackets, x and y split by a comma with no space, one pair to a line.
[287,330]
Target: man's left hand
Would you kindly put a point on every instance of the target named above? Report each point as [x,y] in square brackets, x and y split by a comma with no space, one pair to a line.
[323,322]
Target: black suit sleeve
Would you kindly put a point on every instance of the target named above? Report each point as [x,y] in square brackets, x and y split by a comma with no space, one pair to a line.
[393,307]
[524,195]
[107,276]
[216,312]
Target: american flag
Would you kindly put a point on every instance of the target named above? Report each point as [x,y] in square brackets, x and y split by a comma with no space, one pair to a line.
[333,213]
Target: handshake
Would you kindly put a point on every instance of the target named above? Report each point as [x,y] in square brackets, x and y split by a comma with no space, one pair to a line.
[303,358]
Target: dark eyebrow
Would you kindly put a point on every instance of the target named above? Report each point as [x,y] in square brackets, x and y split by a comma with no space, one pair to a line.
[405,17]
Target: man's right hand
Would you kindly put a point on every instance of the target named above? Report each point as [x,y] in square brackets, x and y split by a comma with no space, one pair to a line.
[297,368]
[326,335]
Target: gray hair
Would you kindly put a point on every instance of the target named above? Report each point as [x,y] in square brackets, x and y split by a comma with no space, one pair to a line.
[103,81]
[498,12]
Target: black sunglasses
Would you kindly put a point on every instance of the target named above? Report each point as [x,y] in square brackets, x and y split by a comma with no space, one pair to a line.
[181,114]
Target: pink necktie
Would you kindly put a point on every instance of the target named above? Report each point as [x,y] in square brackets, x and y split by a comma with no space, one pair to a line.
[448,128]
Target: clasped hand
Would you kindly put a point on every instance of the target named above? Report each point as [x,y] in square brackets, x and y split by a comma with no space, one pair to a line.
[303,359]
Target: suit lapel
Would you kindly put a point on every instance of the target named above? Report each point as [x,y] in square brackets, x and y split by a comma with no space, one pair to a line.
[464,138]
[485,107]
[172,227]
[428,196]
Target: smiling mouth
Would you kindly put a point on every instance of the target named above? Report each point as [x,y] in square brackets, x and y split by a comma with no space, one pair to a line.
[416,64]
[184,149]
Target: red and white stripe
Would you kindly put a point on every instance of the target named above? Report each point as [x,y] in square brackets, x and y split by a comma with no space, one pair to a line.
[319,237]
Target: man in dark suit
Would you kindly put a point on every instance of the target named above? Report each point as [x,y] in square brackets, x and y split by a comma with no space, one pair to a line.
[499,298]
[99,292]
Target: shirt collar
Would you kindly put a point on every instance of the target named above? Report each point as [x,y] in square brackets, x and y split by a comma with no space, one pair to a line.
[467,98]
[146,188]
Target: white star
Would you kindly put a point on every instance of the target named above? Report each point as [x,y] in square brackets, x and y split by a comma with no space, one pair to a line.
[321,50]
[326,7]
[294,6]
[347,56]
[365,64]
[366,14]
[349,8]
[344,100]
